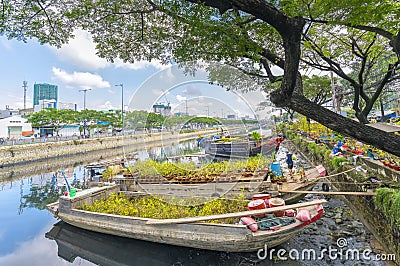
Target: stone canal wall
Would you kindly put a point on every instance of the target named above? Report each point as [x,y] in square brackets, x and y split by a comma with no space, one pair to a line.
[385,231]
[11,156]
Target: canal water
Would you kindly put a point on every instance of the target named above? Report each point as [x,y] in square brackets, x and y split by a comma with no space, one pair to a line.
[30,235]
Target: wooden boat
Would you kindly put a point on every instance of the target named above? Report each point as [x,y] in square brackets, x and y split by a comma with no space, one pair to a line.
[237,149]
[187,232]
[102,249]
[224,188]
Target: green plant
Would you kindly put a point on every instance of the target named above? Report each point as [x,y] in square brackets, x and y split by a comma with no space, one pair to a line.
[337,162]
[388,200]
[255,135]
[327,154]
[111,171]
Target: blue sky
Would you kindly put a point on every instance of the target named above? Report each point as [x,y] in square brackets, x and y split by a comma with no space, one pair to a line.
[75,66]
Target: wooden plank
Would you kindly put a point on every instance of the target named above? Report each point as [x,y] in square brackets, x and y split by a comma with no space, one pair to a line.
[355,193]
[234,215]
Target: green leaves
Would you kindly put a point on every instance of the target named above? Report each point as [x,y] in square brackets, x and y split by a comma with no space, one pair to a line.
[388,200]
[56,118]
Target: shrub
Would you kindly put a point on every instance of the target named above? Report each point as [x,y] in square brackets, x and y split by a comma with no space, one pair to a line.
[336,162]
[388,200]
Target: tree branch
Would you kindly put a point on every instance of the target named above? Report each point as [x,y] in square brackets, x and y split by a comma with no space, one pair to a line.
[271,76]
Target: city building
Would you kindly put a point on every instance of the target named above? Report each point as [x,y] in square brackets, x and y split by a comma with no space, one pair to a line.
[45,91]
[15,127]
[67,106]
[8,112]
[43,104]
[26,111]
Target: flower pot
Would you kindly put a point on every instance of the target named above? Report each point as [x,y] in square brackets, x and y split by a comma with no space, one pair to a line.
[257,205]
[277,202]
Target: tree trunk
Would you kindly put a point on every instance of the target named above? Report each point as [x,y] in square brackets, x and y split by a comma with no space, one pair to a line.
[388,142]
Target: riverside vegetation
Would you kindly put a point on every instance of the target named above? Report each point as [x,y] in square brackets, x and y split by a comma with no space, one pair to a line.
[383,210]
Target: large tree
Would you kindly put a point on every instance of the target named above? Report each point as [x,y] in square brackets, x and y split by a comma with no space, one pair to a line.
[251,35]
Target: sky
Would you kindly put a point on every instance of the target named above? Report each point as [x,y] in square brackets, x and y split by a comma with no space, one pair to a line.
[75,66]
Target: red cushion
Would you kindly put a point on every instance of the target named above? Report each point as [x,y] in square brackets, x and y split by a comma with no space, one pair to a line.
[250,223]
[303,215]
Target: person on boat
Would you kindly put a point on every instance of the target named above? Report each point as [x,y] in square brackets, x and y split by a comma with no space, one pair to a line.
[278,141]
[289,161]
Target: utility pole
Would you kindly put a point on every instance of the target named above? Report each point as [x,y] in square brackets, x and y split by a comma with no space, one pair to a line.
[187,114]
[84,108]
[25,85]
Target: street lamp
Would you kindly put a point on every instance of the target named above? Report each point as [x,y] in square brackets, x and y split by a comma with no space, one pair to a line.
[84,108]
[122,105]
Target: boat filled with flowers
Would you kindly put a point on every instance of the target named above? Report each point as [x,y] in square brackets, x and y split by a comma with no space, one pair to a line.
[232,225]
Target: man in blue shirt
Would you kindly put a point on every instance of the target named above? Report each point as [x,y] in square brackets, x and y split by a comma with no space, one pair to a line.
[289,161]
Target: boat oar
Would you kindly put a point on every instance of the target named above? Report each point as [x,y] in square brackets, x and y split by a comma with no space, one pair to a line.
[234,215]
[350,193]
[66,181]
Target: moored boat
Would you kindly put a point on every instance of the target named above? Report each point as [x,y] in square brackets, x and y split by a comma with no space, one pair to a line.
[237,149]
[225,186]
[189,232]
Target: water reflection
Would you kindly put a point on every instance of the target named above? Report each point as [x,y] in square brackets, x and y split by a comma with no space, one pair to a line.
[24,196]
[111,250]
[163,152]
[37,251]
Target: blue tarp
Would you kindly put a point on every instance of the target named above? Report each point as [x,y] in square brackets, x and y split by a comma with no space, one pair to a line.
[276,169]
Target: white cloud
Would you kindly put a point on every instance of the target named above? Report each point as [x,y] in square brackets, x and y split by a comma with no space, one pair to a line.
[81,51]
[84,80]
[107,106]
[180,98]
[118,63]
[192,90]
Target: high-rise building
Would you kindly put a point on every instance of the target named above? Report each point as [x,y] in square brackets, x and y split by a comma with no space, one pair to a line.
[44,92]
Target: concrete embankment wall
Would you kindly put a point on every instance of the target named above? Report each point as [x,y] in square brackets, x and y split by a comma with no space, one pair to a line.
[387,233]
[16,160]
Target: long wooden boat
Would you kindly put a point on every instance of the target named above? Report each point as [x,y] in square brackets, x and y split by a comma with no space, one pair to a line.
[102,249]
[224,188]
[188,232]
[237,149]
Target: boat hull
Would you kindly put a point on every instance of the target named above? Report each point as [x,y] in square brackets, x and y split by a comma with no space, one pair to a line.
[238,150]
[209,236]
[200,235]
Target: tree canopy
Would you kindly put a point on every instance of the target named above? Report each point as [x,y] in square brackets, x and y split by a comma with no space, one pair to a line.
[57,118]
[358,40]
